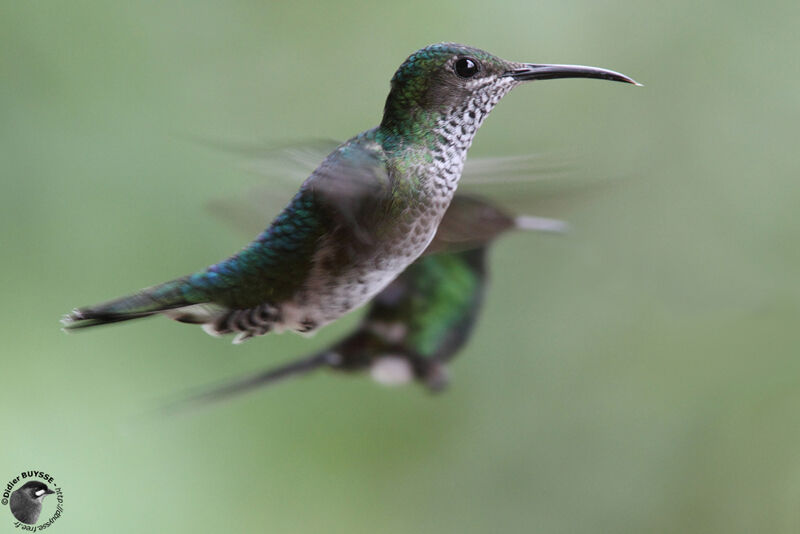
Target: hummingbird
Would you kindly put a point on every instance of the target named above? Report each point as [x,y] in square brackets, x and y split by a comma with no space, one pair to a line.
[366,213]
[424,317]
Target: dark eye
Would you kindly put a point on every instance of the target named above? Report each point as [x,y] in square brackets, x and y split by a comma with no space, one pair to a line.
[466,67]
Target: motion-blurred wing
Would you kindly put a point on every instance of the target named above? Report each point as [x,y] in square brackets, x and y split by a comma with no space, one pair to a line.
[350,181]
[472,222]
[353,184]
[512,179]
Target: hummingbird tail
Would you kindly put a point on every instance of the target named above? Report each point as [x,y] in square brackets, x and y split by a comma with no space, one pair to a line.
[163,298]
[256,381]
[541,224]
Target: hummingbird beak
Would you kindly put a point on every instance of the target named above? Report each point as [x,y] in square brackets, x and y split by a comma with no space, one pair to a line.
[530,71]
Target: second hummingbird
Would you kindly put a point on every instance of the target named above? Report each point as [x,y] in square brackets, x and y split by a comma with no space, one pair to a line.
[368,211]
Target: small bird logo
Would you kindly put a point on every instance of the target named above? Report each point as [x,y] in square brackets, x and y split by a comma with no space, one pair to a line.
[26,502]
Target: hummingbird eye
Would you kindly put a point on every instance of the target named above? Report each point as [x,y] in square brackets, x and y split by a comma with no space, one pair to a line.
[466,67]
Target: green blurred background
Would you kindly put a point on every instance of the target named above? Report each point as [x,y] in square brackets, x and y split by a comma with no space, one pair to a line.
[639,375]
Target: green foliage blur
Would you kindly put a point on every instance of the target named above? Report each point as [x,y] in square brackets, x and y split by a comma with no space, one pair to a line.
[638,375]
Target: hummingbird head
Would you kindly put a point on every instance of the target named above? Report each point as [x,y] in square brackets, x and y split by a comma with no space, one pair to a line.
[459,85]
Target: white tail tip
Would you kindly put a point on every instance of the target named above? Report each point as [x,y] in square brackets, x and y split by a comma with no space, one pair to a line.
[542,224]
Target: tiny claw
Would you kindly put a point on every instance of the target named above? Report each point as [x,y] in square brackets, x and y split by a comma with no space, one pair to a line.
[241,337]
[211,330]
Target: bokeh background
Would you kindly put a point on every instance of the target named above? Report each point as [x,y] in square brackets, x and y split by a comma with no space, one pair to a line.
[639,375]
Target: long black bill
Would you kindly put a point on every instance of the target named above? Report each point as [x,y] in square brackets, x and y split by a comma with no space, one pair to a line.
[531,71]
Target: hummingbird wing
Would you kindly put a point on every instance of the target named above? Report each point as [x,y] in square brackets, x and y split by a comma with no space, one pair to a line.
[296,160]
[288,164]
[354,186]
[348,178]
[472,222]
[496,177]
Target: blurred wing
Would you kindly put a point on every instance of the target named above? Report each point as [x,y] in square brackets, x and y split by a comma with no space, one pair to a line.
[299,160]
[524,183]
[349,180]
[506,170]
[471,222]
[556,198]
[468,223]
[244,215]
[353,185]
[291,163]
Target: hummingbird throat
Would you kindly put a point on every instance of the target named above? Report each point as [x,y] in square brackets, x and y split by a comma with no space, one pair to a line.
[453,131]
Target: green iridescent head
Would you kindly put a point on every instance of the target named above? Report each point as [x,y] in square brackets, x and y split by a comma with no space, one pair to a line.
[451,80]
[440,78]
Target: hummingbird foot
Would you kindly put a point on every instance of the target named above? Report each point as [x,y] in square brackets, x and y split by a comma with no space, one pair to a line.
[246,323]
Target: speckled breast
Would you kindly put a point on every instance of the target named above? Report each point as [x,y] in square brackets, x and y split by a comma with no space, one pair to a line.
[328,295]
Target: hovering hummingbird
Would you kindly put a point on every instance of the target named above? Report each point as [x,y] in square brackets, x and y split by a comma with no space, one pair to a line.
[424,317]
[367,212]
